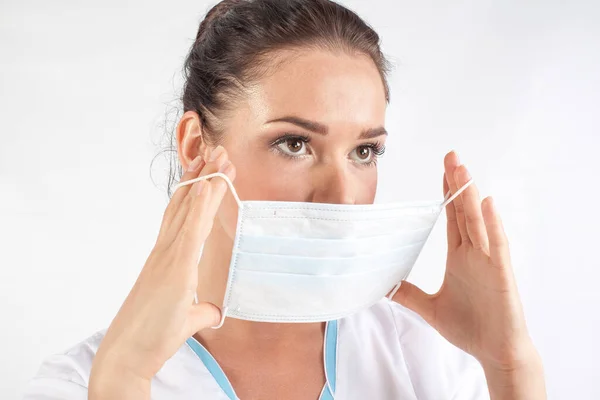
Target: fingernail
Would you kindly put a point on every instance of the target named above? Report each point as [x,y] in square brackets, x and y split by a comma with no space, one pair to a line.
[216,153]
[194,164]
[200,187]
[457,157]
[224,167]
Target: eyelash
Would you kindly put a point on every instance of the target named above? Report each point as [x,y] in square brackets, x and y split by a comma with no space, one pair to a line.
[377,148]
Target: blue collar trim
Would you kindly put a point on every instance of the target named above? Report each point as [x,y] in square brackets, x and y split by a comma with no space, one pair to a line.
[331,339]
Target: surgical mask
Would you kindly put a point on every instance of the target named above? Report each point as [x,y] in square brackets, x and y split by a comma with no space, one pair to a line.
[316,262]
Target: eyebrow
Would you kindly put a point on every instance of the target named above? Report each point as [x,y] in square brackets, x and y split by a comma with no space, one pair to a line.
[322,129]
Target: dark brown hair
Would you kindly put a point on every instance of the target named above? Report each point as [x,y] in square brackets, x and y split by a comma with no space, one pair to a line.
[235,43]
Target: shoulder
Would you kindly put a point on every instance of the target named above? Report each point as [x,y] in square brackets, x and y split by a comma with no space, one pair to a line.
[66,374]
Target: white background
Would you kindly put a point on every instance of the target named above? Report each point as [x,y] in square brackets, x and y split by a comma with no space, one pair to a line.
[512,85]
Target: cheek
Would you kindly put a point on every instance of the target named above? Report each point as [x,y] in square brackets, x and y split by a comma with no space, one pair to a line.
[262,175]
[255,180]
[373,189]
[366,186]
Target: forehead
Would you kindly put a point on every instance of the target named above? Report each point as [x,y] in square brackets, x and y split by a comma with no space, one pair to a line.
[321,85]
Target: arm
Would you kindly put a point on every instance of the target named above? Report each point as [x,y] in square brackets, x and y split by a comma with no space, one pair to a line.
[523,380]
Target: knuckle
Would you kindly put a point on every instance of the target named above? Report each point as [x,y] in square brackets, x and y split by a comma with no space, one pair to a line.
[220,185]
[479,246]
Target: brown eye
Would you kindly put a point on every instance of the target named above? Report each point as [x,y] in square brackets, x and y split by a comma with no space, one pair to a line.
[363,152]
[294,145]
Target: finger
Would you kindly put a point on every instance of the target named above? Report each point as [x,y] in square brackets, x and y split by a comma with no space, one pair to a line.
[193,170]
[413,298]
[451,162]
[453,233]
[472,207]
[217,158]
[202,316]
[180,194]
[199,221]
[200,218]
[498,242]
[218,188]
[219,184]
[221,164]
[196,225]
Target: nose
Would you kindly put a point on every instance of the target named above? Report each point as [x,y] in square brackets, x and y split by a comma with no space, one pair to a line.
[333,185]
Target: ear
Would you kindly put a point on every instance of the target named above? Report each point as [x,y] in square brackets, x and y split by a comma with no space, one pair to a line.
[190,140]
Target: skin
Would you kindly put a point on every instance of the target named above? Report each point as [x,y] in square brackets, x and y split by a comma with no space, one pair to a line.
[477,308]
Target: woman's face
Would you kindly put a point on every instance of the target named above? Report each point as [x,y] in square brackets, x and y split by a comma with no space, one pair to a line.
[310,131]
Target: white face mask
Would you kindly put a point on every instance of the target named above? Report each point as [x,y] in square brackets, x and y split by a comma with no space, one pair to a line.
[315,262]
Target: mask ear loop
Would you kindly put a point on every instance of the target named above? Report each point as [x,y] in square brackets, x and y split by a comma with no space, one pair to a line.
[455,195]
[220,175]
[240,205]
[447,200]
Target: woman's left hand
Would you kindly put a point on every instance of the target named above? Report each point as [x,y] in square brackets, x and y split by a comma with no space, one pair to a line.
[477,307]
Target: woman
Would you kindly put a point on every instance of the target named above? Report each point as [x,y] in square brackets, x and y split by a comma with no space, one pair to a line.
[288,98]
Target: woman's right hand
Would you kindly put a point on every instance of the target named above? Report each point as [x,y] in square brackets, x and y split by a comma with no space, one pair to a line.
[160,314]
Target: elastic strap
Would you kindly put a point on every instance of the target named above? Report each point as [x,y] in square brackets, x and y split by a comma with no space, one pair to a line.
[447,200]
[223,314]
[238,201]
[455,195]
[220,175]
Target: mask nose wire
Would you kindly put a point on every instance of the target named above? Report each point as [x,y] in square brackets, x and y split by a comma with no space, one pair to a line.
[220,175]
[239,203]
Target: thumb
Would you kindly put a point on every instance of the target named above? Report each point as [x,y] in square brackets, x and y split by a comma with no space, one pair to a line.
[413,298]
[202,316]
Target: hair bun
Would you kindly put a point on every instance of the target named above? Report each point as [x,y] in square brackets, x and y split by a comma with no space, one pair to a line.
[218,10]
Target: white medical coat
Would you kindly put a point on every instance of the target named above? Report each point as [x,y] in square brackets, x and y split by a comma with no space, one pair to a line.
[383,352]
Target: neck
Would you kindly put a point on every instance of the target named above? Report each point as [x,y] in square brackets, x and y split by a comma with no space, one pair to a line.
[213,271]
